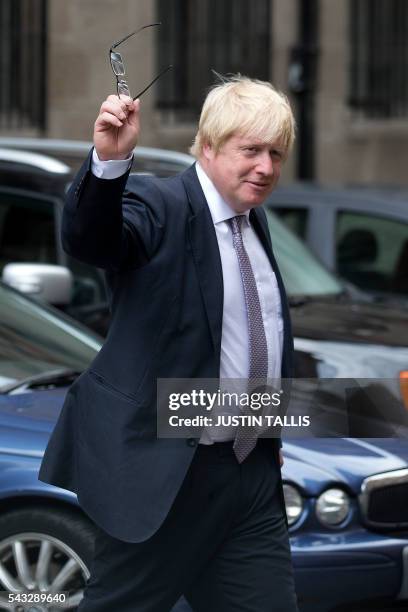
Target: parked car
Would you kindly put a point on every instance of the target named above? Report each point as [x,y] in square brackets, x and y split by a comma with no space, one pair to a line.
[335,336]
[32,190]
[359,233]
[46,542]
[146,160]
[322,308]
[345,499]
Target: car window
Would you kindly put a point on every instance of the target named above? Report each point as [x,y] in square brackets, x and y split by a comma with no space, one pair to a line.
[35,339]
[372,251]
[89,284]
[27,230]
[294,218]
[301,272]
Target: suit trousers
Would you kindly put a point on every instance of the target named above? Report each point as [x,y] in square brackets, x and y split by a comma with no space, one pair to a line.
[224,545]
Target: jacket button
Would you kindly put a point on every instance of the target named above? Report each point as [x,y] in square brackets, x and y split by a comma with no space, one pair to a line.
[191,442]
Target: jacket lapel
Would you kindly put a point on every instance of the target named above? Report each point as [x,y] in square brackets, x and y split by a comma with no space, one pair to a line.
[258,219]
[204,246]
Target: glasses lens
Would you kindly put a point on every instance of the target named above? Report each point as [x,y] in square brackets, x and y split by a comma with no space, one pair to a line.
[123,89]
[117,64]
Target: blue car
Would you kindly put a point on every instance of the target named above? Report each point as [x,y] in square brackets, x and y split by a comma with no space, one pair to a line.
[46,542]
[347,505]
[346,499]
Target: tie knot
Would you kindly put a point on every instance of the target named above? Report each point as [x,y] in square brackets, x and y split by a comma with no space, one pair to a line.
[236,224]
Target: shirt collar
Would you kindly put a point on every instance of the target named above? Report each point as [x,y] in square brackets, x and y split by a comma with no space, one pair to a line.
[219,209]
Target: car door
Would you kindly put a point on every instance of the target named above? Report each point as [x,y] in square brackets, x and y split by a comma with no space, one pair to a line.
[311,217]
[27,228]
[30,233]
[89,302]
[371,251]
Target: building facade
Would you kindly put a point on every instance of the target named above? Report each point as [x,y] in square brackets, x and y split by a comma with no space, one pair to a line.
[343,64]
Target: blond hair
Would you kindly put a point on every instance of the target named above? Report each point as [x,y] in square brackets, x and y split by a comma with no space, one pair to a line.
[250,107]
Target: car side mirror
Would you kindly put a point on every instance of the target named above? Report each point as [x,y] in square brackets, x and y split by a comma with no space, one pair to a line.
[49,283]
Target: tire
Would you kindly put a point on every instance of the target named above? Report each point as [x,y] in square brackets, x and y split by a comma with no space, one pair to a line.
[65,540]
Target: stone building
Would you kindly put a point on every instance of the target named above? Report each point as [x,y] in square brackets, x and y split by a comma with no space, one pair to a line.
[342,62]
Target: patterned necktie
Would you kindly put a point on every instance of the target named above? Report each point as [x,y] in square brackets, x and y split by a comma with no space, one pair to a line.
[246,437]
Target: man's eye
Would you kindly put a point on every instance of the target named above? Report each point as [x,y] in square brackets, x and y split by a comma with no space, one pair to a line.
[276,154]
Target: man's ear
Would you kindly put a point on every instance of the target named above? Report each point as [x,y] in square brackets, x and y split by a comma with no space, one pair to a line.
[208,151]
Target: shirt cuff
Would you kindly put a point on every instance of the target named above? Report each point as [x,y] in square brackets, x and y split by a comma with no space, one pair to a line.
[112,169]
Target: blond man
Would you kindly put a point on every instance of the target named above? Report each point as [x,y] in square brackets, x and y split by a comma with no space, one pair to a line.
[196,293]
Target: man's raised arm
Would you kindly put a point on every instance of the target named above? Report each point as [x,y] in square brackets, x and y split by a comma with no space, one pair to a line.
[98,226]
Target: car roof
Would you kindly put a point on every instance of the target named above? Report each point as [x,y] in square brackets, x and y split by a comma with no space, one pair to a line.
[35,161]
[82,147]
[25,170]
[361,197]
[48,165]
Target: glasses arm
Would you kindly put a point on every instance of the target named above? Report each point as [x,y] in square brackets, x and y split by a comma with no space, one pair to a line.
[152,82]
[119,42]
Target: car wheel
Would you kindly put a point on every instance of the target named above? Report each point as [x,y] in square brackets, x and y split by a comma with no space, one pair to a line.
[47,550]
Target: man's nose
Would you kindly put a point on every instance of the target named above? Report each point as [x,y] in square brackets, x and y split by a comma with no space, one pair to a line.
[265,165]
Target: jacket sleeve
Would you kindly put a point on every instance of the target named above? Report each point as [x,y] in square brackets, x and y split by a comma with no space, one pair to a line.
[112,224]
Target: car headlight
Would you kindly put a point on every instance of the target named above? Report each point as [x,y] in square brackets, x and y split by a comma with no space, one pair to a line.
[293,503]
[332,507]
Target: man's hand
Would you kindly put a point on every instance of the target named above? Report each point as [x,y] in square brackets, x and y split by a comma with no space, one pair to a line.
[117,128]
[280,457]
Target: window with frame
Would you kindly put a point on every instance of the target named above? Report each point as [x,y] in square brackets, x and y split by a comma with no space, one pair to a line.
[379,58]
[372,252]
[198,36]
[27,229]
[23,47]
[295,218]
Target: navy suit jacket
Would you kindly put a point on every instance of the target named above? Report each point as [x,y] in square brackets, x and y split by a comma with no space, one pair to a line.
[156,241]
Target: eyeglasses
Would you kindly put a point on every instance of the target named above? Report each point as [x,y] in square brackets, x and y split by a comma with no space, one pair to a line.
[118,66]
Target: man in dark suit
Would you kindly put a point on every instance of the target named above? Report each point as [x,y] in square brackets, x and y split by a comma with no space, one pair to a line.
[195,293]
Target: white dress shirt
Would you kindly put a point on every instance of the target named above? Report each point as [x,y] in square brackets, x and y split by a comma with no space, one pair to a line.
[234,362]
[111,169]
[234,359]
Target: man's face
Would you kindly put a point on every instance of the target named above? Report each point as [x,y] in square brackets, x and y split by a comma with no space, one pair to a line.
[244,170]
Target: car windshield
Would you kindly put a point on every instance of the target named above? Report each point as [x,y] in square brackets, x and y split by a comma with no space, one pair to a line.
[36,339]
[302,273]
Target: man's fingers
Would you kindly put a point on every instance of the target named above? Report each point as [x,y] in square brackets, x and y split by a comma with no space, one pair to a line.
[116,128]
[107,119]
[119,108]
[133,117]
[124,101]
[114,109]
